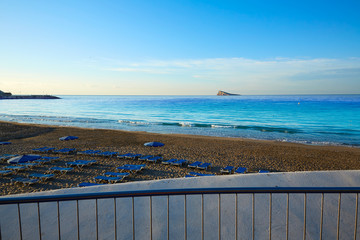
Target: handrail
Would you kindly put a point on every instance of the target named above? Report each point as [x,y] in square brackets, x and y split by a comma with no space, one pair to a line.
[186,191]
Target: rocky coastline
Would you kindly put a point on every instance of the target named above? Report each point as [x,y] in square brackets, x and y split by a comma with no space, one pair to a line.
[8,95]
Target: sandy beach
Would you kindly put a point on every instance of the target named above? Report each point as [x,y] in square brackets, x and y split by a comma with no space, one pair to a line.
[252,154]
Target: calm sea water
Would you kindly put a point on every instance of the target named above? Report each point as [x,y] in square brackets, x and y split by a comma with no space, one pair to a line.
[309,119]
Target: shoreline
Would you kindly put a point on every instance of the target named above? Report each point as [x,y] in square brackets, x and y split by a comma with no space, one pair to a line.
[195,135]
[220,151]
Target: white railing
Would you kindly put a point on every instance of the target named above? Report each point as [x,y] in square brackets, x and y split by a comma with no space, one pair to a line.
[226,213]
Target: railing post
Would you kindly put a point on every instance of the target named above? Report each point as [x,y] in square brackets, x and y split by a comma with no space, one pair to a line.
[115,227]
[19,214]
[58,217]
[304,237]
[38,207]
[356,214]
[270,212]
[338,220]
[287,216]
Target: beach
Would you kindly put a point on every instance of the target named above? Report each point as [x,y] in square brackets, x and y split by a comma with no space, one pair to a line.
[253,154]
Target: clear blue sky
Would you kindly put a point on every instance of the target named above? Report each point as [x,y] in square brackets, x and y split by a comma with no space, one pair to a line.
[179,47]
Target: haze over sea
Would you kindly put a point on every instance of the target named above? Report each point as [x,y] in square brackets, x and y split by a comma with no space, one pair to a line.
[309,119]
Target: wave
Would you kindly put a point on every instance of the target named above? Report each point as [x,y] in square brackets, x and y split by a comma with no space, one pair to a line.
[206,125]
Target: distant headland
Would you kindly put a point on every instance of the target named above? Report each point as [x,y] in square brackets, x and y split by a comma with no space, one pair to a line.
[8,95]
[222,93]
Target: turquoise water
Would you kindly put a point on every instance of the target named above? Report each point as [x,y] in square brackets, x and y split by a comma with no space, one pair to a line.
[309,119]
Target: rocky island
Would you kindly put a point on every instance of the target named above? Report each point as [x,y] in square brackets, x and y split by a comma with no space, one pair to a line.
[8,95]
[222,93]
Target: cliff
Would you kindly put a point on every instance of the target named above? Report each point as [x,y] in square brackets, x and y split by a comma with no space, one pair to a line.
[222,93]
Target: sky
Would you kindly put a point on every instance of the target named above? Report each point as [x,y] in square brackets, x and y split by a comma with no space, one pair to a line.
[142,47]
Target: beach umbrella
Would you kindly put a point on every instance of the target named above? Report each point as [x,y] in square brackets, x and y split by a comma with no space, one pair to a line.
[67,138]
[5,143]
[154,144]
[23,158]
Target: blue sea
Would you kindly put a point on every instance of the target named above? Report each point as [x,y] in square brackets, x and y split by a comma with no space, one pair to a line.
[308,119]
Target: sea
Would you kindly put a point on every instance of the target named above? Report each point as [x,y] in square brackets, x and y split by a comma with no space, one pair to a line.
[306,119]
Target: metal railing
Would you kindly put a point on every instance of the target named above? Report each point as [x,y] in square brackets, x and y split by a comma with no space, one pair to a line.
[204,213]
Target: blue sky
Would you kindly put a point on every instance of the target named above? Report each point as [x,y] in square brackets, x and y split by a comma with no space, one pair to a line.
[179,47]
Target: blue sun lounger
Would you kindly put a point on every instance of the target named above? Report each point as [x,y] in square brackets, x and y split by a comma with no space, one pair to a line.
[88,162]
[42,161]
[42,177]
[88,184]
[167,162]
[127,155]
[263,171]
[131,168]
[43,150]
[117,174]
[15,168]
[180,162]
[93,152]
[29,165]
[60,169]
[227,169]
[80,163]
[142,166]
[194,164]
[5,172]
[5,143]
[66,150]
[154,159]
[240,170]
[135,156]
[108,179]
[76,164]
[88,152]
[204,166]
[24,181]
[51,159]
[132,156]
[146,157]
[107,154]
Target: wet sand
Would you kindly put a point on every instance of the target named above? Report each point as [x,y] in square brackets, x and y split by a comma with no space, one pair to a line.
[252,154]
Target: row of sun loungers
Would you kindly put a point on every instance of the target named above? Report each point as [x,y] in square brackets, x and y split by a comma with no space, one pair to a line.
[200,165]
[131,168]
[24,181]
[97,153]
[231,169]
[111,177]
[14,168]
[115,177]
[41,177]
[175,162]
[43,150]
[53,150]
[81,163]
[61,170]
[5,172]
[33,178]
[89,152]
